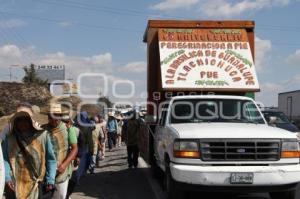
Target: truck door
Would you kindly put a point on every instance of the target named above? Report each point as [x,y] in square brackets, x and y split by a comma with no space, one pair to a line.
[144,141]
[159,145]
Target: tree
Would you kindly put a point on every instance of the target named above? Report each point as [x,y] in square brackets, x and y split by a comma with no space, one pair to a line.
[105,100]
[31,76]
[104,103]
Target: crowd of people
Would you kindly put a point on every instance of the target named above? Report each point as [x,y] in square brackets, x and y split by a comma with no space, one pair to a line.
[48,160]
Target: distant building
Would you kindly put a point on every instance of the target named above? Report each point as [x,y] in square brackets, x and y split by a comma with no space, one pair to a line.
[289,103]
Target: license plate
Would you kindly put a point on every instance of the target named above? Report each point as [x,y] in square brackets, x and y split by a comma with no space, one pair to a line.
[241,178]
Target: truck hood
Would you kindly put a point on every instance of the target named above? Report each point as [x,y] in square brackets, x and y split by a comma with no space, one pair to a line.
[230,130]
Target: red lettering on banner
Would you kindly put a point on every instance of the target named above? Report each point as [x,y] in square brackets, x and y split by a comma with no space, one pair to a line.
[209,74]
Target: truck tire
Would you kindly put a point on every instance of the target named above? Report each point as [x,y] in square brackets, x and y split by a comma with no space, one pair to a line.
[285,195]
[173,192]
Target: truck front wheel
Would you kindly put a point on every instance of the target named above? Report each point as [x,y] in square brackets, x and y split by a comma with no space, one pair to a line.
[285,195]
[173,192]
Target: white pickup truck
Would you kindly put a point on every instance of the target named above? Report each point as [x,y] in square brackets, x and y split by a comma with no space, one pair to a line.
[223,143]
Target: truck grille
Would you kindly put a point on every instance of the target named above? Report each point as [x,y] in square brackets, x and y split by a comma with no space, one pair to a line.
[240,150]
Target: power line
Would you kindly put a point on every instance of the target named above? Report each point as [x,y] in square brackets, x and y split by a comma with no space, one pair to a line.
[108,27]
[107,9]
[83,7]
[281,26]
[76,23]
[278,29]
[21,39]
[110,8]
[122,11]
[286,44]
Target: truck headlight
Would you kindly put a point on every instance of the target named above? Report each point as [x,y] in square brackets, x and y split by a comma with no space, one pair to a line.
[186,149]
[290,149]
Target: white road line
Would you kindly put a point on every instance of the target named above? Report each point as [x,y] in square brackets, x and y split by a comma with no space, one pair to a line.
[159,194]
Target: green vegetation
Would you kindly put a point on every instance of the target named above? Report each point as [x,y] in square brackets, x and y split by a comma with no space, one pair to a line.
[31,76]
[211,83]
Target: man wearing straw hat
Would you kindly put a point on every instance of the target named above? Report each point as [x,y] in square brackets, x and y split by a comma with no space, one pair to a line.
[29,158]
[65,148]
[22,106]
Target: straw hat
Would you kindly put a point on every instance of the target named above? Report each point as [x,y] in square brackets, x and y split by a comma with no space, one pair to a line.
[25,114]
[56,109]
[118,117]
[110,114]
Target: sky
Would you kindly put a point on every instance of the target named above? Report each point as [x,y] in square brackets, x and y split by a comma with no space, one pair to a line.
[106,37]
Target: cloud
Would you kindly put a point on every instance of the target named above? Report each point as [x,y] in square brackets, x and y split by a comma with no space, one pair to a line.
[292,82]
[219,8]
[65,24]
[174,4]
[226,8]
[75,65]
[296,79]
[101,63]
[134,67]
[271,87]
[269,90]
[294,59]
[10,51]
[262,53]
[101,59]
[12,23]
[11,54]
[269,93]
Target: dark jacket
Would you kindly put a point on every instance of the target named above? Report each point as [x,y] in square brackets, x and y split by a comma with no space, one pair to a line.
[132,132]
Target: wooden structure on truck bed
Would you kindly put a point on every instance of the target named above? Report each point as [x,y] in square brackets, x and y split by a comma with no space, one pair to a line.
[199,57]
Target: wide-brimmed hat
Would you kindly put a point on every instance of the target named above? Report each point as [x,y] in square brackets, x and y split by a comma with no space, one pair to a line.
[19,114]
[26,107]
[118,117]
[56,109]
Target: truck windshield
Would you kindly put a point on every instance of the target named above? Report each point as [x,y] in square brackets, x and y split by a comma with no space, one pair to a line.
[215,110]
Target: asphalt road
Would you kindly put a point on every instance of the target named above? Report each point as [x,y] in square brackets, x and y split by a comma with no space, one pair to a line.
[113,180]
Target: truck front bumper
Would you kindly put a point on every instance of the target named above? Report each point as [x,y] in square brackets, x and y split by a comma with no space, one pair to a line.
[219,176]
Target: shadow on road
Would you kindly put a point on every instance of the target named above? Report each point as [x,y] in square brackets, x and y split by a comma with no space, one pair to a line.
[112,165]
[113,180]
[124,184]
[216,195]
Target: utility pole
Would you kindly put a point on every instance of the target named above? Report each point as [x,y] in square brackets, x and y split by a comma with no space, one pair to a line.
[10,74]
[10,71]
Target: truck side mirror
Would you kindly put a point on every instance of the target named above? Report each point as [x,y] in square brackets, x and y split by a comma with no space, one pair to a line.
[150,119]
